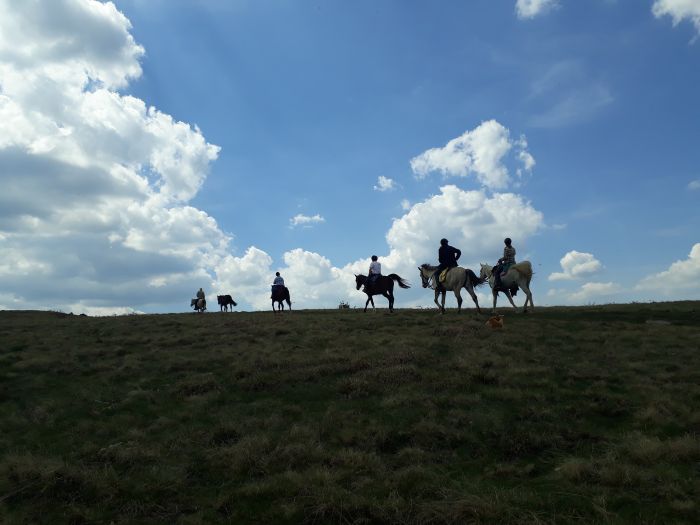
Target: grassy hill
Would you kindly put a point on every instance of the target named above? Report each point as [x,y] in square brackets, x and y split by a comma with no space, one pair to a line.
[568,415]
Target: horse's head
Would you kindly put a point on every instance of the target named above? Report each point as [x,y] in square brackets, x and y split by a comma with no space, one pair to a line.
[359,281]
[425,274]
[486,271]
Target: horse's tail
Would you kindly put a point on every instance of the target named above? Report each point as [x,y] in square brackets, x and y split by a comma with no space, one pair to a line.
[403,283]
[473,279]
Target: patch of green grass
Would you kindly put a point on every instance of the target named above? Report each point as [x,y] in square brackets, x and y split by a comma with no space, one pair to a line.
[569,415]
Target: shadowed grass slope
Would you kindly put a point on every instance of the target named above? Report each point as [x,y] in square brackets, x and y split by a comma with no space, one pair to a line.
[569,415]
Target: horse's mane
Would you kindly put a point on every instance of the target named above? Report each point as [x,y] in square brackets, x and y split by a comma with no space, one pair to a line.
[427,266]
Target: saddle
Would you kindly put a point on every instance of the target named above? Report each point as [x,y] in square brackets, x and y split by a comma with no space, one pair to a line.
[443,275]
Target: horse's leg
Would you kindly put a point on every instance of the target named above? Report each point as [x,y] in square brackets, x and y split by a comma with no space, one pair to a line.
[369,298]
[391,300]
[495,299]
[528,293]
[437,294]
[442,308]
[470,290]
[510,298]
[458,296]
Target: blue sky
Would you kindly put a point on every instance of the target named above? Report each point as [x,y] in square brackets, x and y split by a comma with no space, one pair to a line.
[296,109]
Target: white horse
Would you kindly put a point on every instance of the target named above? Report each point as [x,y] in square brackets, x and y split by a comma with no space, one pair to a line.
[199,305]
[519,276]
[457,278]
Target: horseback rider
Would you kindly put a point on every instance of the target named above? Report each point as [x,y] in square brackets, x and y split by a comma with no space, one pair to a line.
[375,271]
[447,257]
[200,295]
[504,263]
[278,283]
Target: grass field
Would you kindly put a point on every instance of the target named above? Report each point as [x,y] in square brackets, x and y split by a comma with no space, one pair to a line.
[569,415]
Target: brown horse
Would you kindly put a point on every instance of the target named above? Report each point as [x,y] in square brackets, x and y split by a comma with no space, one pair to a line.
[225,301]
[384,285]
[279,295]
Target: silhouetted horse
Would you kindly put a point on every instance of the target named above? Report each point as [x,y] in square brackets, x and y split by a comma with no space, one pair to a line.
[225,301]
[279,295]
[456,279]
[199,305]
[384,285]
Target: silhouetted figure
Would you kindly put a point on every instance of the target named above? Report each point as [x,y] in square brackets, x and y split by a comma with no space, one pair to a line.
[504,263]
[447,258]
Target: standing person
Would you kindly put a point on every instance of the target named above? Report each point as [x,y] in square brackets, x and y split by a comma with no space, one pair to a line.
[277,282]
[375,271]
[504,263]
[447,257]
[200,295]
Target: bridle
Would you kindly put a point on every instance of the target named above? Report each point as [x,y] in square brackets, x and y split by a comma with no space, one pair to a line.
[425,281]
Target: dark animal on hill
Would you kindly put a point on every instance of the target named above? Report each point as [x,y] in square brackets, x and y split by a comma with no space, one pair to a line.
[384,285]
[279,295]
[225,301]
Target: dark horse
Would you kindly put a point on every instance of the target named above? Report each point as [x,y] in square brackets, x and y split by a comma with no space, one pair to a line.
[225,301]
[384,285]
[279,295]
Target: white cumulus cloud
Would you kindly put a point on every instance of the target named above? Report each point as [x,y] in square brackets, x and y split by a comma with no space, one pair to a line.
[305,220]
[576,265]
[482,152]
[527,9]
[384,184]
[681,276]
[678,10]
[590,291]
[311,278]
[473,221]
[93,213]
